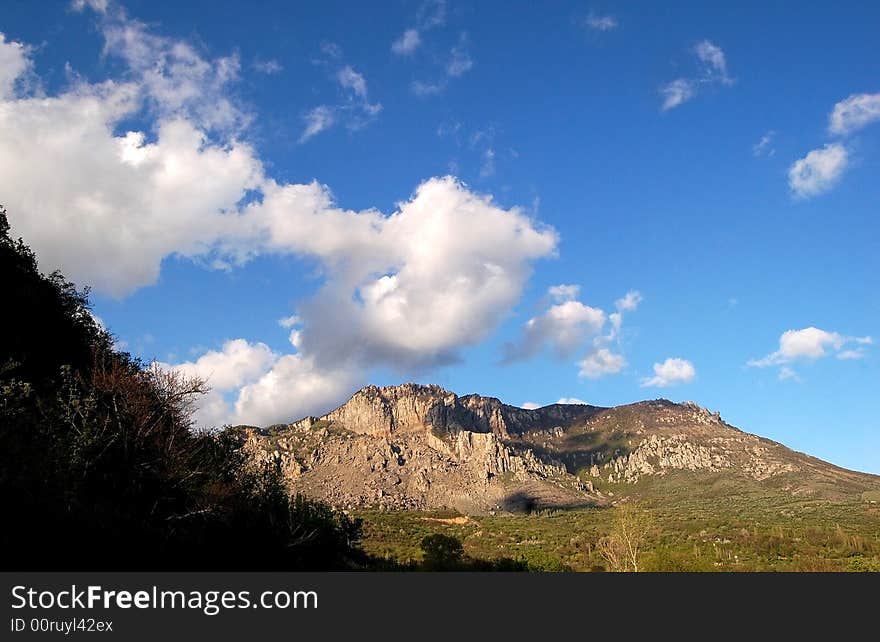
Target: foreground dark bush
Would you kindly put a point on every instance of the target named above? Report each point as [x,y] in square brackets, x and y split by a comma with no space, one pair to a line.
[100,467]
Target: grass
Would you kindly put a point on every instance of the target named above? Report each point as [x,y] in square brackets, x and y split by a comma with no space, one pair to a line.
[713,525]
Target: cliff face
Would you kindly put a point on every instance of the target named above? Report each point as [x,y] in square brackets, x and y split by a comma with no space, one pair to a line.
[415,446]
[409,408]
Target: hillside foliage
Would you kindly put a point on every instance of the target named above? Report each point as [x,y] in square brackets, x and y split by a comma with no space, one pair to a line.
[101,467]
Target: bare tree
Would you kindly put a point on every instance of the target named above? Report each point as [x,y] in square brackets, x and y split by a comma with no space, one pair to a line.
[622,548]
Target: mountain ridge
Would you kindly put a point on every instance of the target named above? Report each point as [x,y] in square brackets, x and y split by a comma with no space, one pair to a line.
[422,446]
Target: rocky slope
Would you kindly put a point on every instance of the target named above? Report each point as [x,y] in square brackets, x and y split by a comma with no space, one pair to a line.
[415,446]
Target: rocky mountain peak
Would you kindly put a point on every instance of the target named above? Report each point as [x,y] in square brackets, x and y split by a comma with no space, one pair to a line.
[422,446]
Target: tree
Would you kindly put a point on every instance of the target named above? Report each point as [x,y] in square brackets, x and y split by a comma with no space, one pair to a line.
[100,466]
[442,552]
[622,548]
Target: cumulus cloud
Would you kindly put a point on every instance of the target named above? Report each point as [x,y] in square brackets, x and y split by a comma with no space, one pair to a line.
[713,71]
[404,290]
[671,372]
[407,288]
[809,344]
[15,62]
[819,171]
[568,326]
[572,401]
[853,113]
[251,384]
[564,327]
[408,42]
[293,388]
[601,362]
[235,364]
[530,405]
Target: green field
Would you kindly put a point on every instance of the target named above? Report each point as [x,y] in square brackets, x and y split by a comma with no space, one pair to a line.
[683,522]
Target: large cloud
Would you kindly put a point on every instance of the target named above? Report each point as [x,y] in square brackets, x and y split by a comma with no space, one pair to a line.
[407,289]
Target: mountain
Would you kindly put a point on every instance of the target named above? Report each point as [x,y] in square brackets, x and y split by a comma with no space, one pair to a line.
[420,446]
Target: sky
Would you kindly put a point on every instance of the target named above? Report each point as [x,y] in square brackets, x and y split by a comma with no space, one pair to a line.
[570,201]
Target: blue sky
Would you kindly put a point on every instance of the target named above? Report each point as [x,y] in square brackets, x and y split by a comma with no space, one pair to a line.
[705,176]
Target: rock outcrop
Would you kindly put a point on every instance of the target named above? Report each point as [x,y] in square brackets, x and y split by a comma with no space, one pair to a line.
[416,446]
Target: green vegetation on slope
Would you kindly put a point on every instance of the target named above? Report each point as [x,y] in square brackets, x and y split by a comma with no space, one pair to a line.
[686,522]
[100,467]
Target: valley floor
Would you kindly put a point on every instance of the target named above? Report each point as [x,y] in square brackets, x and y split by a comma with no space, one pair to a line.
[669,524]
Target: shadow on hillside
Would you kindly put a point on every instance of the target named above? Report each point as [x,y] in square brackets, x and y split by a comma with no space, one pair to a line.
[526,502]
[579,452]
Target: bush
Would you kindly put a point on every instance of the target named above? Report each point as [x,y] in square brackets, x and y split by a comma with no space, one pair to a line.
[101,467]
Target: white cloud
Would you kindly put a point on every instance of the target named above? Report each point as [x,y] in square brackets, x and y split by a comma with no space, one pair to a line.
[601,362]
[850,355]
[289,322]
[853,113]
[572,401]
[236,364]
[100,6]
[408,42]
[676,93]
[671,372]
[561,293]
[460,61]
[350,79]
[819,171]
[568,325]
[265,387]
[629,302]
[530,405]
[317,119]
[14,64]
[404,290]
[764,147]
[564,327]
[175,80]
[600,23]
[810,344]
[355,111]
[713,64]
[293,388]
[714,58]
